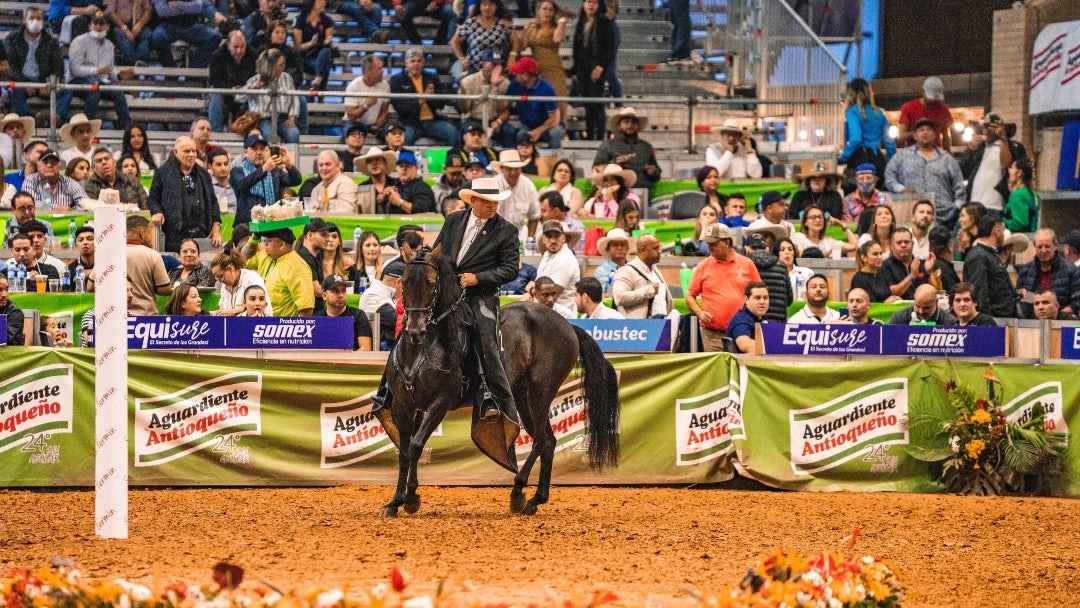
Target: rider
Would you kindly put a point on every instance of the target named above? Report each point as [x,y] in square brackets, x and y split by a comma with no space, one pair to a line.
[483,249]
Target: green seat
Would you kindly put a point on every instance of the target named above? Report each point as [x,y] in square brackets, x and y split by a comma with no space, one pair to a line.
[436,158]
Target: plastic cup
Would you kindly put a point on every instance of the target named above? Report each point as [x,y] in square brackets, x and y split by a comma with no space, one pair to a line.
[54,285]
[41,282]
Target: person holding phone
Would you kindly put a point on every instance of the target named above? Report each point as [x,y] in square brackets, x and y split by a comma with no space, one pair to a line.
[732,156]
[262,175]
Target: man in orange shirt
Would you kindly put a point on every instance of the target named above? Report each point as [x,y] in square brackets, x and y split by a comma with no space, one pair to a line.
[719,280]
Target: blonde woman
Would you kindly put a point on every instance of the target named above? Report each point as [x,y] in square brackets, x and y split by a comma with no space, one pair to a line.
[270,73]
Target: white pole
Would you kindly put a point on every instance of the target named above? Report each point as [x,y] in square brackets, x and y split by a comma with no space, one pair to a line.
[111,380]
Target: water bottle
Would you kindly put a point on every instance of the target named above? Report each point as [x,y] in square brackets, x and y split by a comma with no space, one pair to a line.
[530,246]
[65,281]
[46,201]
[677,250]
[800,288]
[361,284]
[609,287]
[20,278]
[579,248]
[80,278]
[71,233]
[356,239]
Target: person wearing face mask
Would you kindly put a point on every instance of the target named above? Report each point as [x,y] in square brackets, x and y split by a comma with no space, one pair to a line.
[92,60]
[866,193]
[34,55]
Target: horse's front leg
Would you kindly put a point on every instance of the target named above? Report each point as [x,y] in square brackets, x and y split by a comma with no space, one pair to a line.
[427,425]
[405,428]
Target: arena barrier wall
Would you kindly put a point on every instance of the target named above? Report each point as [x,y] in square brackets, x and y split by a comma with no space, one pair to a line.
[805,424]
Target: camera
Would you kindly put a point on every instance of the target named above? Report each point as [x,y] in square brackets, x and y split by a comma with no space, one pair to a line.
[275,150]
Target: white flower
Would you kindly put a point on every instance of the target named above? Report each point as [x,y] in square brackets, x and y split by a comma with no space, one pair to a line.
[139,593]
[954,443]
[329,598]
[422,601]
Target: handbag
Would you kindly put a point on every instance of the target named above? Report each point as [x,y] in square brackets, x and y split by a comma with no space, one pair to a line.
[245,122]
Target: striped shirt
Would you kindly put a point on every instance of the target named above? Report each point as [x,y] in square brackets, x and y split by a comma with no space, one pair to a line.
[66,193]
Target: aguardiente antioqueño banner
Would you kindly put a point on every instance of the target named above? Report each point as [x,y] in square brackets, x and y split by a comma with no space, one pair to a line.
[214,420]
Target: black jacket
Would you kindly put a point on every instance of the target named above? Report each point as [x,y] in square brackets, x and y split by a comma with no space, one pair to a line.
[15,320]
[993,288]
[165,198]
[493,256]
[408,110]
[50,58]
[599,50]
[225,73]
[775,276]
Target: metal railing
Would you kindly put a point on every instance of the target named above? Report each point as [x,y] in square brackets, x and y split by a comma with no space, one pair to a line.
[823,115]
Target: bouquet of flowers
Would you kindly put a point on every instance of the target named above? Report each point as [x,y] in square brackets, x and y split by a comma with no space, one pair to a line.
[974,448]
[825,580]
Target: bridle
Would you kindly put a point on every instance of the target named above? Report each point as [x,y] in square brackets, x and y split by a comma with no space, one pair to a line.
[429,310]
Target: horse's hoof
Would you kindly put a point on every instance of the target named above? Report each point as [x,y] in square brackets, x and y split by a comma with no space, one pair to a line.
[388,511]
[529,508]
[517,503]
[412,506]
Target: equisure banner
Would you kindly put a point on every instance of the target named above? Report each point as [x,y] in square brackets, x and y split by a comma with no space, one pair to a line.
[908,340]
[3,330]
[1070,343]
[209,332]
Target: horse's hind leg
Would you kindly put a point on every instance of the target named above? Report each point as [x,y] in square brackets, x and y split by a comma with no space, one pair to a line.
[544,448]
[521,480]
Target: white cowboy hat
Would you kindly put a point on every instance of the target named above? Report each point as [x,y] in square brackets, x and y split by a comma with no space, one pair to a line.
[509,159]
[615,234]
[628,176]
[486,188]
[627,112]
[76,121]
[830,176]
[1018,241]
[360,162]
[732,125]
[763,226]
[27,121]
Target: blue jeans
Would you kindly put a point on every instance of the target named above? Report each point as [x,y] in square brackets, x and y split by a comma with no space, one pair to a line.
[439,129]
[369,22]
[285,134]
[91,99]
[444,13]
[203,38]
[219,110]
[552,137]
[320,64]
[129,52]
[19,103]
[680,36]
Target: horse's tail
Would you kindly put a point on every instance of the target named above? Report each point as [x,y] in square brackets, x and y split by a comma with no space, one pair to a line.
[602,392]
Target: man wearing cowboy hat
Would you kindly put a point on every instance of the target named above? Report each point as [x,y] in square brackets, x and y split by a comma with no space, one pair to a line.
[627,149]
[79,132]
[375,165]
[986,167]
[335,192]
[261,177]
[17,132]
[523,204]
[819,187]
[639,289]
[483,249]
[92,60]
[732,156]
[540,119]
[771,225]
[616,247]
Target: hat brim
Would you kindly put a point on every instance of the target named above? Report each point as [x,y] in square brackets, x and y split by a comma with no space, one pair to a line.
[604,242]
[629,177]
[468,195]
[802,179]
[613,123]
[777,231]
[510,164]
[1019,243]
[65,131]
[360,162]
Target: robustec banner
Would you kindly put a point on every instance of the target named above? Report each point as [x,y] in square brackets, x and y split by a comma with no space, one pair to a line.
[806,424]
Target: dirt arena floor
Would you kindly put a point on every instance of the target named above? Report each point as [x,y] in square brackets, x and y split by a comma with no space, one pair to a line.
[645,544]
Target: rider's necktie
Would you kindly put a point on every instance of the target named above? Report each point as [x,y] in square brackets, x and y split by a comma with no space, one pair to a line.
[470,236]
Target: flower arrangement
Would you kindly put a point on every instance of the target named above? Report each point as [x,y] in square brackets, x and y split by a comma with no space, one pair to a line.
[62,586]
[825,580]
[975,449]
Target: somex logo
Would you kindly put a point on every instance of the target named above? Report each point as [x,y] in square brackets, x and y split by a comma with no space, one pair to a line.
[217,410]
[827,435]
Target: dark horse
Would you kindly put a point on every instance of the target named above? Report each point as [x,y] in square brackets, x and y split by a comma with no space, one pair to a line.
[427,367]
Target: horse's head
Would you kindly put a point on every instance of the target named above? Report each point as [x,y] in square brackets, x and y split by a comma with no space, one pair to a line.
[428,288]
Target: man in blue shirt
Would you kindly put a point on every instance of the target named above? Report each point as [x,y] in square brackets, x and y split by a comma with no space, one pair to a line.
[540,119]
[741,327]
